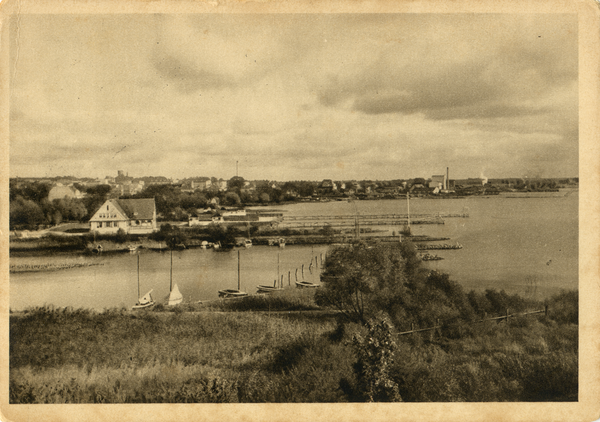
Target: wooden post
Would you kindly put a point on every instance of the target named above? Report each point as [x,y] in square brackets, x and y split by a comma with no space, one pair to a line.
[546,310]
[506,315]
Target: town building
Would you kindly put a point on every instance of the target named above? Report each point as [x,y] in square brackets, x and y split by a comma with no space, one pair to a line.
[438,181]
[60,192]
[135,216]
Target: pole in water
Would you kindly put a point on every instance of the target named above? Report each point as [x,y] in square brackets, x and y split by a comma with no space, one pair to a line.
[302,271]
[289,278]
[296,274]
[171,273]
[238,270]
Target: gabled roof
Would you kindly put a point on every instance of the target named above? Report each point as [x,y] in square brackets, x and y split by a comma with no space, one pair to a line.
[142,209]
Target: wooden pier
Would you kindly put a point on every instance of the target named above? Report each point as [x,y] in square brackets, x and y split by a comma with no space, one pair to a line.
[348,220]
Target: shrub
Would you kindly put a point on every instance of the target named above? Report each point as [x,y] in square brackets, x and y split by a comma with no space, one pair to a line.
[375,354]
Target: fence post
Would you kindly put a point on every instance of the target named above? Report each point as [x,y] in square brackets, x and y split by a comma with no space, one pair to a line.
[506,315]
[546,310]
[412,328]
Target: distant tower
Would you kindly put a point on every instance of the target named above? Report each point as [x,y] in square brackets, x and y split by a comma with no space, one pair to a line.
[447,178]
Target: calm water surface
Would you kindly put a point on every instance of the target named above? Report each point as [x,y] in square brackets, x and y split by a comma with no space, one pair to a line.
[522,245]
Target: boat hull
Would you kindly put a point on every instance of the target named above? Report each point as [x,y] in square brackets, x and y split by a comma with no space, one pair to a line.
[231,293]
[267,289]
[306,284]
[142,306]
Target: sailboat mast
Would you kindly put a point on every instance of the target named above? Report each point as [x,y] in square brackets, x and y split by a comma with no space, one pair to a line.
[239,271]
[138,265]
[408,208]
[171,273]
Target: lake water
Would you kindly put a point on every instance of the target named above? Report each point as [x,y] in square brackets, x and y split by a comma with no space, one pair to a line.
[522,245]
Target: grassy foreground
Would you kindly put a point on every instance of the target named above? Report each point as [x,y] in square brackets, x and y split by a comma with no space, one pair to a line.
[221,355]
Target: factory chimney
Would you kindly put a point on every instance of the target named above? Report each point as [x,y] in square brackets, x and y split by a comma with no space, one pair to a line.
[447,178]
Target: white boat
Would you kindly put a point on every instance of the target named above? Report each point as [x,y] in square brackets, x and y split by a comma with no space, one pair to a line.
[175,296]
[145,301]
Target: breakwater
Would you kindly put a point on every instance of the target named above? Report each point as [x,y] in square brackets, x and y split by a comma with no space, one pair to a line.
[21,268]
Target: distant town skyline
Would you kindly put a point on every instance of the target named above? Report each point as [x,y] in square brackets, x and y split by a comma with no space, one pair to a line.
[294,97]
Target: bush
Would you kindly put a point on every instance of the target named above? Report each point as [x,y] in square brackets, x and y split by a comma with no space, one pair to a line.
[375,352]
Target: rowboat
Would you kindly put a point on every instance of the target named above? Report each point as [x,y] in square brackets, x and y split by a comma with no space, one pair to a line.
[303,284]
[231,293]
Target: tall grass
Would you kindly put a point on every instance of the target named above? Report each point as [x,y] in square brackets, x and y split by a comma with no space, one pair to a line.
[116,356]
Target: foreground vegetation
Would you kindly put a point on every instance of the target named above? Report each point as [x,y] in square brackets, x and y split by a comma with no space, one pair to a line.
[340,344]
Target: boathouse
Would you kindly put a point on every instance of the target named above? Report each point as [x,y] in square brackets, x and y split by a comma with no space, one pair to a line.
[132,215]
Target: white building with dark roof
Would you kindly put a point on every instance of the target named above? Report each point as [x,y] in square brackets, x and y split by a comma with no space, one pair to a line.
[132,215]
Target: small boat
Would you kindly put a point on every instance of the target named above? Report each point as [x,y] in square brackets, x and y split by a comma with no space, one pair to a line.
[303,284]
[175,296]
[133,248]
[218,247]
[233,293]
[261,288]
[247,243]
[281,242]
[145,301]
[97,249]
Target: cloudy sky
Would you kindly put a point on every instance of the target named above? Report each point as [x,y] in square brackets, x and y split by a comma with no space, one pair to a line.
[294,97]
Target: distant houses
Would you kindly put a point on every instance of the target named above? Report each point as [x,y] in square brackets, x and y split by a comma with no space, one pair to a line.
[60,192]
[132,215]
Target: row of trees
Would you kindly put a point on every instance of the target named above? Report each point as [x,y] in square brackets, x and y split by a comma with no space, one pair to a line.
[30,207]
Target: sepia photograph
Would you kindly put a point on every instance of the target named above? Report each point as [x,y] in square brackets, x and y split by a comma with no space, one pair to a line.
[321,204]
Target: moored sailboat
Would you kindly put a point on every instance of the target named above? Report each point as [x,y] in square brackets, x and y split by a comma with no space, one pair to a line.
[261,288]
[175,296]
[232,293]
[145,301]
